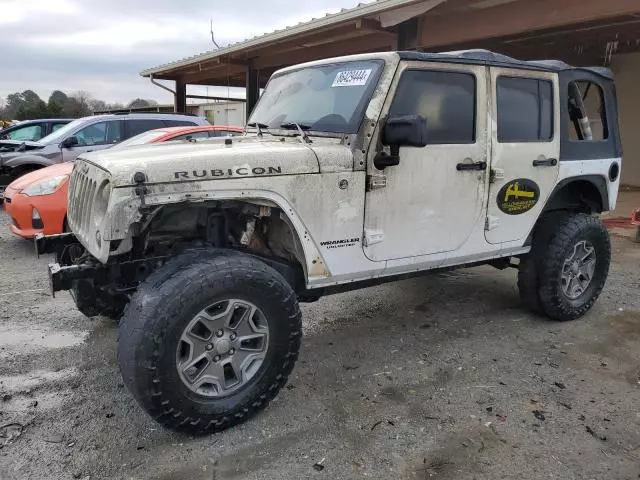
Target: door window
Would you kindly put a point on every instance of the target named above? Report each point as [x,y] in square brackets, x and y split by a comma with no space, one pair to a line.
[525,110]
[29,133]
[445,99]
[587,112]
[56,126]
[100,133]
[135,127]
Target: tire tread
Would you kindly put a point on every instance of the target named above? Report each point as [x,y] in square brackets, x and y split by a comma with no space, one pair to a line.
[143,324]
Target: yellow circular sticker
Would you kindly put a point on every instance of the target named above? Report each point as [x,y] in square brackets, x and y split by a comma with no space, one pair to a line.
[518,196]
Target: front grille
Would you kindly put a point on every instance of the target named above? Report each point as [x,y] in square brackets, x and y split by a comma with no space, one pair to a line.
[82,190]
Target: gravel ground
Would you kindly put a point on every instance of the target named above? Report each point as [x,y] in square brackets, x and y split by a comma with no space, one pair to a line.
[444,376]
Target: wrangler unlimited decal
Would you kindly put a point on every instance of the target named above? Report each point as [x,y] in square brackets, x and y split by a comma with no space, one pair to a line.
[347,242]
[228,172]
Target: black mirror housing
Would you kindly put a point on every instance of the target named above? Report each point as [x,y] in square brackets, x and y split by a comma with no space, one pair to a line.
[405,131]
[69,142]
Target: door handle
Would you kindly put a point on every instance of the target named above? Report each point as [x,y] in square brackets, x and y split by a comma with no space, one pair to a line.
[549,162]
[471,166]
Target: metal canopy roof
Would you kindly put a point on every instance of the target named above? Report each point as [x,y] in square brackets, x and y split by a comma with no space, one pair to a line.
[586,32]
[365,22]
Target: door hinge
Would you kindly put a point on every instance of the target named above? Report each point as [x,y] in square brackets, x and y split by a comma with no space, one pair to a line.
[491,222]
[496,174]
[371,237]
[376,181]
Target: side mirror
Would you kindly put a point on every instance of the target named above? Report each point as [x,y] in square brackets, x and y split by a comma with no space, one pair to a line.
[69,142]
[405,131]
[401,131]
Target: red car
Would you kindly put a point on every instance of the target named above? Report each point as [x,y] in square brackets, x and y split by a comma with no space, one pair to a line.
[37,201]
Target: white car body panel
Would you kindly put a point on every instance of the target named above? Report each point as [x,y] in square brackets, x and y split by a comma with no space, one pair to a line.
[429,215]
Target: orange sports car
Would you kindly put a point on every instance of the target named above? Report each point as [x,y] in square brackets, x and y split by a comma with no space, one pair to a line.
[37,201]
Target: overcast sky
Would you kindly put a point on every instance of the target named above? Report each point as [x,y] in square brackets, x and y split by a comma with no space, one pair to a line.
[101,46]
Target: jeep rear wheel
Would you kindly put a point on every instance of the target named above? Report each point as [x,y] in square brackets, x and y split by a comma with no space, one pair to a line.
[208,340]
[572,267]
[531,263]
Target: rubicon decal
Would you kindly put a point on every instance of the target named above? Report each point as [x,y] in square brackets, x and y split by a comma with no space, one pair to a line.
[346,242]
[227,172]
[518,196]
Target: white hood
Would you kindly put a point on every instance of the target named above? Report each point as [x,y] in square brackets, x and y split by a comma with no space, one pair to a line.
[221,158]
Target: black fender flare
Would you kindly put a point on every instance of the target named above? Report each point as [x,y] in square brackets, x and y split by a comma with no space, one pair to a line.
[599,182]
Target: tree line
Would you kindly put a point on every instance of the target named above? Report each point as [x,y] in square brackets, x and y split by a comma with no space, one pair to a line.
[28,105]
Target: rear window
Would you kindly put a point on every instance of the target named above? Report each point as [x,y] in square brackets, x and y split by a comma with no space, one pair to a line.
[587,112]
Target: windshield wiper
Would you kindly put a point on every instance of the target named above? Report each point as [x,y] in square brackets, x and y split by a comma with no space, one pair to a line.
[300,127]
[259,126]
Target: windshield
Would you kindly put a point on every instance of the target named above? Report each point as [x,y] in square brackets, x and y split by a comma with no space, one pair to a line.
[327,98]
[63,132]
[144,137]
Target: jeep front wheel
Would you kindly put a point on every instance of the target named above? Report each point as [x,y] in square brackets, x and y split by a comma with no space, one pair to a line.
[208,340]
[573,266]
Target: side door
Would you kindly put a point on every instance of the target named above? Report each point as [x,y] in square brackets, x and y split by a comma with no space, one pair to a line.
[96,136]
[525,146]
[435,198]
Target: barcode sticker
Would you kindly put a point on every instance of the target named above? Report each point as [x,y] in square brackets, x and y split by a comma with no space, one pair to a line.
[351,78]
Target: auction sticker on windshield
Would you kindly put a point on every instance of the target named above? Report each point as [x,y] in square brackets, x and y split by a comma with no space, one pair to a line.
[351,78]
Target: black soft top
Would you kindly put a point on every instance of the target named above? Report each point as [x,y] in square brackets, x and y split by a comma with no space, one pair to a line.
[486,57]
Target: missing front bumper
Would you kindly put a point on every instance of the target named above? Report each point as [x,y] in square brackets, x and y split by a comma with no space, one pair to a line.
[63,277]
[53,243]
[120,278]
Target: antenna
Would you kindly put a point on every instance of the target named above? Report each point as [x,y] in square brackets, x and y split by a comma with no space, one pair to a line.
[212,37]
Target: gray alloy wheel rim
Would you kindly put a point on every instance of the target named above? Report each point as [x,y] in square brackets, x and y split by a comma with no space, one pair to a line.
[578,269]
[222,348]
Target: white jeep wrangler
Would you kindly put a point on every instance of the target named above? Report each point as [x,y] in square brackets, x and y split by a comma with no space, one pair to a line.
[353,171]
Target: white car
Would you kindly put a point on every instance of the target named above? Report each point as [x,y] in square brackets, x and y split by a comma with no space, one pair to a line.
[354,171]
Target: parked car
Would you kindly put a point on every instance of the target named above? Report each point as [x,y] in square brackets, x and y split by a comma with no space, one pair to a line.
[80,136]
[37,201]
[355,171]
[182,133]
[33,130]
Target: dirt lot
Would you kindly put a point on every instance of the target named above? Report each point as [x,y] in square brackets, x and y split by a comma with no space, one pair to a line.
[444,376]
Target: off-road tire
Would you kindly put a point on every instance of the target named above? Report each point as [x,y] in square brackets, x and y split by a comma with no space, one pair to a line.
[161,308]
[567,232]
[530,264]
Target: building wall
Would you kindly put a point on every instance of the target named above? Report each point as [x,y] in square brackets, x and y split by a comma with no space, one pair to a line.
[224,113]
[627,71]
